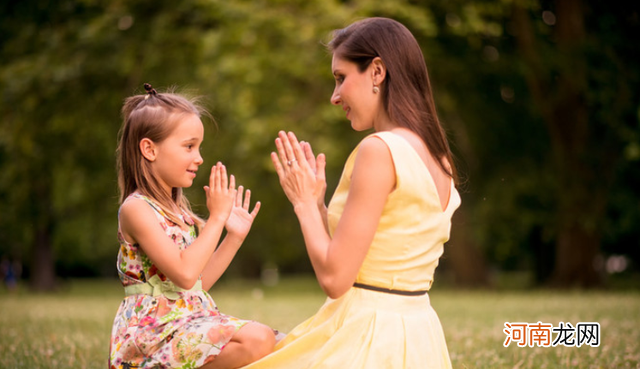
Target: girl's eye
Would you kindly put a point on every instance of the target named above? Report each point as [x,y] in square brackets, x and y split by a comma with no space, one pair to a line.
[189,146]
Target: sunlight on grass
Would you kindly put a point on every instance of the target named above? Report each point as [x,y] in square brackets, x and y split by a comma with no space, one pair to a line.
[71,329]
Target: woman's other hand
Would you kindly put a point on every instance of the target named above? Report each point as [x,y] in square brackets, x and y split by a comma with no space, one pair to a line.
[318,165]
[301,175]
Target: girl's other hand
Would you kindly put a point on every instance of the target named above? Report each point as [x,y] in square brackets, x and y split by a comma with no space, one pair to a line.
[240,220]
[221,193]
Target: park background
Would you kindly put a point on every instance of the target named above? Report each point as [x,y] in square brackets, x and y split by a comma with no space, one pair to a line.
[540,99]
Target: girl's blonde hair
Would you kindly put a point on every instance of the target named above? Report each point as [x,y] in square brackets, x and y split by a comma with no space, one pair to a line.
[154,116]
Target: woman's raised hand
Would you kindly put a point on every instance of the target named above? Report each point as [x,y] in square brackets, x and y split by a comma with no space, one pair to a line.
[221,193]
[301,174]
[318,165]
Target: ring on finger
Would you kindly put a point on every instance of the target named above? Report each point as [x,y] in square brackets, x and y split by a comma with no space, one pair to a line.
[290,162]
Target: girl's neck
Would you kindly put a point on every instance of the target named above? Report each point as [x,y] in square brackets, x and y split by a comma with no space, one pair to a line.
[174,207]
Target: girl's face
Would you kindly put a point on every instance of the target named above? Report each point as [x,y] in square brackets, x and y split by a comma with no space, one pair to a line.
[178,156]
[354,91]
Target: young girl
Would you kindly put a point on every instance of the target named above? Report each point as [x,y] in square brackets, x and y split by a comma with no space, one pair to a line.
[167,319]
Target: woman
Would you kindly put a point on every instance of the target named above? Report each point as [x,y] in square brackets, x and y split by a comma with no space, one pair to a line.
[375,249]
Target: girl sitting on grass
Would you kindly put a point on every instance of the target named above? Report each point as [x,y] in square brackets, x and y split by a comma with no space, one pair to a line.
[167,319]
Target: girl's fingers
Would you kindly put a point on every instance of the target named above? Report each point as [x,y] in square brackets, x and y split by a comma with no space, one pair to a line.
[215,174]
[224,179]
[247,200]
[256,209]
[239,196]
[232,182]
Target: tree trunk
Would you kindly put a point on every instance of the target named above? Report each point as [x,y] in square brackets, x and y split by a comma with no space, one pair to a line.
[43,277]
[461,253]
[561,100]
[576,249]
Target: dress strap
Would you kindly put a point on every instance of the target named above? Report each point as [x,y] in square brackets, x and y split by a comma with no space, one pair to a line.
[388,290]
[156,287]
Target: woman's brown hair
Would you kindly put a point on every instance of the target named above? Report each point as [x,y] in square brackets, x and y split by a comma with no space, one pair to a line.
[406,90]
[154,116]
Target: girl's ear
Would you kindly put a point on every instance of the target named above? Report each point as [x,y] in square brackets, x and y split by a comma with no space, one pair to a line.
[379,71]
[148,149]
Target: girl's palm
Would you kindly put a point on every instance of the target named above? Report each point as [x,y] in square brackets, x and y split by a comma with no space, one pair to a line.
[240,220]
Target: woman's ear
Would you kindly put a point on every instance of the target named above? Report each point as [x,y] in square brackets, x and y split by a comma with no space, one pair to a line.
[379,70]
[148,149]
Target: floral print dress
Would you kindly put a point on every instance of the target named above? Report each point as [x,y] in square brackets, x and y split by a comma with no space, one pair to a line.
[167,327]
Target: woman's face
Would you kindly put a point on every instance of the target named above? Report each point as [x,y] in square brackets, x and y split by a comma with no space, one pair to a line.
[354,91]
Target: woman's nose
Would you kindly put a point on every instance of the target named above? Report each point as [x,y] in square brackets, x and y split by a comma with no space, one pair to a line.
[335,98]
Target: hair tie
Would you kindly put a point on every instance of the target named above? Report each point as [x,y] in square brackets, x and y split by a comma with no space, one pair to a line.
[150,90]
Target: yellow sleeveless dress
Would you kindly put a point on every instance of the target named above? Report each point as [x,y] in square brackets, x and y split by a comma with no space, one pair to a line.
[380,330]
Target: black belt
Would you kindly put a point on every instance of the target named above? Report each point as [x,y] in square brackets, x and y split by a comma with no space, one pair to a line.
[388,290]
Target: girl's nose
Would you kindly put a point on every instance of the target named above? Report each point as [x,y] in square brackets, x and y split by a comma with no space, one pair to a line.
[199,159]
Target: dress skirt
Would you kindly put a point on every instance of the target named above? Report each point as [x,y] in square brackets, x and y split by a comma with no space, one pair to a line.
[365,329]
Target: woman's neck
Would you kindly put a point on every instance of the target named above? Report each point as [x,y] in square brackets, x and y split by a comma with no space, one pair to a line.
[383,122]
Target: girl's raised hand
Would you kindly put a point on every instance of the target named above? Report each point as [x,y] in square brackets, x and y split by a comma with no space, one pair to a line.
[240,220]
[221,193]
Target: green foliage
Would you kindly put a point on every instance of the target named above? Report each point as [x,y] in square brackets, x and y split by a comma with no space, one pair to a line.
[261,66]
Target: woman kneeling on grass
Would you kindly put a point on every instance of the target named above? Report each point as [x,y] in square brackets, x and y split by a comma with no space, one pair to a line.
[376,247]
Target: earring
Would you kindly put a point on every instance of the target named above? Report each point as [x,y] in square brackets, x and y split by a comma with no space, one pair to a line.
[376,89]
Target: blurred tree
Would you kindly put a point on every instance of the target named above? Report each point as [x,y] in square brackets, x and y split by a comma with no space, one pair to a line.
[538,98]
[66,68]
[548,127]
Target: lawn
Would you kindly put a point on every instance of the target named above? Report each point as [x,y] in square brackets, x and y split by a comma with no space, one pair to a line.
[70,329]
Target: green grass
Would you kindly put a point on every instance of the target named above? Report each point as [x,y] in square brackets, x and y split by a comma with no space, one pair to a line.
[71,329]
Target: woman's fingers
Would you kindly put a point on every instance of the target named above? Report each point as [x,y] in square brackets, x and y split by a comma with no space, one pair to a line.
[290,155]
[290,151]
[321,164]
[282,152]
[308,154]
[298,152]
[277,165]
